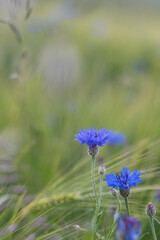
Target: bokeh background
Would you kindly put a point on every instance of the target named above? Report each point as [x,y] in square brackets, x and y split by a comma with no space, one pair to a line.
[64,65]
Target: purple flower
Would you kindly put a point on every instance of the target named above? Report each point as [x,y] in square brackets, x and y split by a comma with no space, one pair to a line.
[128,228]
[125,180]
[116,138]
[93,137]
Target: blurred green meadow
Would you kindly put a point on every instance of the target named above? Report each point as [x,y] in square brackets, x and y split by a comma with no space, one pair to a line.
[66,65]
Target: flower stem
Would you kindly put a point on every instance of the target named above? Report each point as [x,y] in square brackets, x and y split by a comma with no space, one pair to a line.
[152,227]
[93,178]
[127,206]
[100,191]
[94,227]
[113,227]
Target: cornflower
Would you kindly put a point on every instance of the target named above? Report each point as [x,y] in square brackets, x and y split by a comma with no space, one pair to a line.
[94,138]
[128,228]
[124,181]
[116,138]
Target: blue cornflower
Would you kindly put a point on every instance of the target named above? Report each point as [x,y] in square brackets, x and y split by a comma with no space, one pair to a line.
[125,180]
[128,228]
[116,138]
[93,137]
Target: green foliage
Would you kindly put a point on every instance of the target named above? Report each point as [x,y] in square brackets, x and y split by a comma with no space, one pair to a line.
[100,72]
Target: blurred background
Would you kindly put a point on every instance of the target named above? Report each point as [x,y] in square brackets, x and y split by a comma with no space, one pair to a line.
[66,65]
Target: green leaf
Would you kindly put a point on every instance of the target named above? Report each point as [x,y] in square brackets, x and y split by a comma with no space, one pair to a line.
[28,13]
[101,214]
[92,200]
[157,220]
[143,235]
[16,32]
[99,236]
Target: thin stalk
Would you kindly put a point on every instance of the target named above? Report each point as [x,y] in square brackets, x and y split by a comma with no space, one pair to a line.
[94,220]
[93,162]
[119,206]
[113,227]
[100,191]
[153,228]
[127,206]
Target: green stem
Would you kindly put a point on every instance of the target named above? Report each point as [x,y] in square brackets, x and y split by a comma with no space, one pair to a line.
[94,227]
[153,228]
[113,227]
[119,206]
[93,177]
[100,191]
[127,206]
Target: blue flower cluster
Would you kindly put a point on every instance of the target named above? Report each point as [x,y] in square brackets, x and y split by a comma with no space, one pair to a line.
[93,136]
[99,138]
[124,180]
[116,138]
[128,228]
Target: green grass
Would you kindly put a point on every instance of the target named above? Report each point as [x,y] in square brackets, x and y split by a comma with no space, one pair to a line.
[109,78]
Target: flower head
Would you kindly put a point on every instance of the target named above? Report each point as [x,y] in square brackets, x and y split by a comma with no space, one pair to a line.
[116,138]
[93,137]
[125,180]
[128,228]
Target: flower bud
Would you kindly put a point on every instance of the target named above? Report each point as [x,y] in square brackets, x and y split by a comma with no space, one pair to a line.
[124,192]
[150,210]
[93,150]
[76,227]
[101,169]
[114,192]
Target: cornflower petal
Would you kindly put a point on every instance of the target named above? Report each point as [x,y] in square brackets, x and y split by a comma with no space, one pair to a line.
[93,137]
[124,180]
[128,228]
[117,138]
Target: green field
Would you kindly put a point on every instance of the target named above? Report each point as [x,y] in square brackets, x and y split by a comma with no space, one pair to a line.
[64,66]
